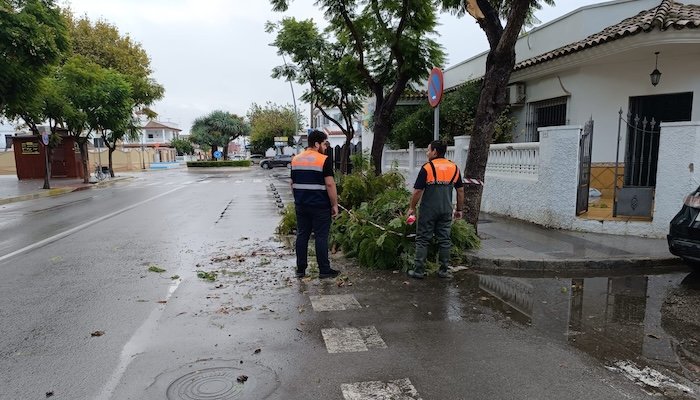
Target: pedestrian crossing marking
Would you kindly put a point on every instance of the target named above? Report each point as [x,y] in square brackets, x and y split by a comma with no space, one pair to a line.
[352,340]
[400,389]
[339,302]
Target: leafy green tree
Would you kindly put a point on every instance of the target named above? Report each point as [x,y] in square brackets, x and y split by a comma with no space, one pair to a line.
[490,15]
[33,37]
[270,121]
[102,43]
[113,120]
[94,100]
[329,70]
[392,45]
[457,111]
[182,146]
[218,129]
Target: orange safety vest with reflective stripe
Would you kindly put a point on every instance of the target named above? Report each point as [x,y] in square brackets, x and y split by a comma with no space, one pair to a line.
[308,183]
[441,177]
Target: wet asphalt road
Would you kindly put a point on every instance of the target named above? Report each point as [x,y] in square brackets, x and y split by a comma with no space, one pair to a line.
[475,337]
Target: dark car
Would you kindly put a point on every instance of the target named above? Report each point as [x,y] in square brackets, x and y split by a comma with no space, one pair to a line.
[684,234]
[281,160]
[256,158]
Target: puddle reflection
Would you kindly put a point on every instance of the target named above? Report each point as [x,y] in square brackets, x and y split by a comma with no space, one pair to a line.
[650,320]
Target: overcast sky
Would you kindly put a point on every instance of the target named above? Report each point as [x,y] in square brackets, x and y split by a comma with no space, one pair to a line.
[215,54]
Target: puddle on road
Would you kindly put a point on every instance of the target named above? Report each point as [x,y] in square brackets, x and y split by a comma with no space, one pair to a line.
[645,327]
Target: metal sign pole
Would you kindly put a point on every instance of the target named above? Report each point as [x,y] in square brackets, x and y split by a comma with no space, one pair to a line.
[436,129]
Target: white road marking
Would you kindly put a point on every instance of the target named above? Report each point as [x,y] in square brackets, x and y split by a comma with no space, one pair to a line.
[81,227]
[339,302]
[352,340]
[400,389]
[135,345]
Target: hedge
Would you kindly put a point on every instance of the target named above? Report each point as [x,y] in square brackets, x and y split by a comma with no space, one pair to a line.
[233,163]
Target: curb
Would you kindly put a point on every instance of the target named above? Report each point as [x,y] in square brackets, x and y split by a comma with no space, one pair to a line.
[37,195]
[670,263]
[59,191]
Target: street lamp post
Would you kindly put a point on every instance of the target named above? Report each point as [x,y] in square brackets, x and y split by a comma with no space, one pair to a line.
[294,99]
[297,142]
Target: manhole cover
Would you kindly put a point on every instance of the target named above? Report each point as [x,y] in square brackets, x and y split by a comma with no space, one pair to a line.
[207,384]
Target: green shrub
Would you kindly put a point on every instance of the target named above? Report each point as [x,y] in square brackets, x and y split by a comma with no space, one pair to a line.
[288,224]
[230,163]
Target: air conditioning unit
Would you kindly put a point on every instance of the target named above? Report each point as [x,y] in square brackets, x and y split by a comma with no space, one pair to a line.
[516,94]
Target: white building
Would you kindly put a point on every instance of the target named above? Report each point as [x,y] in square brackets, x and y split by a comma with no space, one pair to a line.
[336,137]
[590,64]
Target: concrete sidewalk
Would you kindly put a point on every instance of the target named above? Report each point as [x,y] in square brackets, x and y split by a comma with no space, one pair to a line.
[513,245]
[13,190]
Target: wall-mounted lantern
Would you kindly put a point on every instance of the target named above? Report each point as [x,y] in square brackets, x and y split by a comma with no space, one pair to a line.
[655,74]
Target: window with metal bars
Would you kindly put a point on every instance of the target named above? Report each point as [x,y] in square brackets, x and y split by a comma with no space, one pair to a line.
[551,112]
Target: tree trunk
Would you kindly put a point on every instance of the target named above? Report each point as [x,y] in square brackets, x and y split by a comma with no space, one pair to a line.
[225,151]
[111,169]
[492,102]
[345,155]
[381,132]
[213,150]
[82,145]
[47,167]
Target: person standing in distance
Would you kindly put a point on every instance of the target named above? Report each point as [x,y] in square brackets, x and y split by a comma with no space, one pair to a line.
[315,202]
[433,188]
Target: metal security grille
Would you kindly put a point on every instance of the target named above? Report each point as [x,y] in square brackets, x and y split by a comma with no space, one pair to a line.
[584,168]
[550,112]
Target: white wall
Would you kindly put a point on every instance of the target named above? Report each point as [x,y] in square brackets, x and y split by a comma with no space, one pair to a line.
[601,89]
[547,199]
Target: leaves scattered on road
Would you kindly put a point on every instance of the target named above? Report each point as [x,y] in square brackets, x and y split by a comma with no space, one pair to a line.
[207,276]
[242,378]
[175,277]
[156,269]
[97,333]
[257,351]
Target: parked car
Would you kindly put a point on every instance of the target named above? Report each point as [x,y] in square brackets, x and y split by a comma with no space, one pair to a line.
[256,158]
[281,160]
[684,233]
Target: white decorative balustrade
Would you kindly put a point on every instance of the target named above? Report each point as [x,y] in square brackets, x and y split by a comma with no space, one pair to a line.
[514,159]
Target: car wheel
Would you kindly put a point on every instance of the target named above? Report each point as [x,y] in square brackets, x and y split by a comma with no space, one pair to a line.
[289,165]
[268,166]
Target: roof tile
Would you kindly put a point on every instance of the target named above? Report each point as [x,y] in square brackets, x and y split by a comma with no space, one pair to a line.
[668,14]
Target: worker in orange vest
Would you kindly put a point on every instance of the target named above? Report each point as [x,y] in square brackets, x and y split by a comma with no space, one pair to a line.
[433,188]
[315,203]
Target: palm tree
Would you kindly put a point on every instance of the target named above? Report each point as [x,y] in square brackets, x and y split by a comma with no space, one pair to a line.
[218,129]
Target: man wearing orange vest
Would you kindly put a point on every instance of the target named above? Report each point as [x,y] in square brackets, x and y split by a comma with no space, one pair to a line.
[315,202]
[433,188]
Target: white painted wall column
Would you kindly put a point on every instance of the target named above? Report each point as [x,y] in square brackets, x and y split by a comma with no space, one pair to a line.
[558,175]
[461,151]
[678,171]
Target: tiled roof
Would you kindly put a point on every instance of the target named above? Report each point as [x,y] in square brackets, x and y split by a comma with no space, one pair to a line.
[669,14]
[159,125]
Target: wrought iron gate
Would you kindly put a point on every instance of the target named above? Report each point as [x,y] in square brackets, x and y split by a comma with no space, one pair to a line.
[636,196]
[584,167]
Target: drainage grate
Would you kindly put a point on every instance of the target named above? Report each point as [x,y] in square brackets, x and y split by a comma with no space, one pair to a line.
[213,383]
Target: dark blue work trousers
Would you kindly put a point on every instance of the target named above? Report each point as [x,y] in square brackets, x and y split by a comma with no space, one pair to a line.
[318,221]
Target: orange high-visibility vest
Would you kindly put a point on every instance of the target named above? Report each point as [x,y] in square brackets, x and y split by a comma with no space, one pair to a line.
[441,171]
